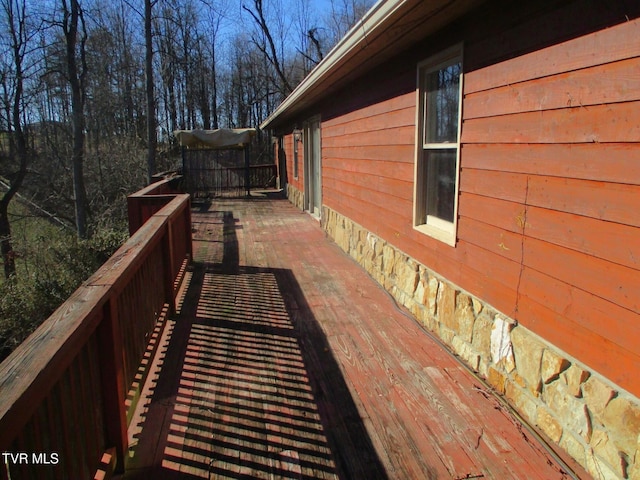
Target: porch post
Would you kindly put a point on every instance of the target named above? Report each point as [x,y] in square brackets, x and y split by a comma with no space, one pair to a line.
[247,176]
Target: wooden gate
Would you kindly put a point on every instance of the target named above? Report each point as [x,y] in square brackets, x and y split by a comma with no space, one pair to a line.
[211,173]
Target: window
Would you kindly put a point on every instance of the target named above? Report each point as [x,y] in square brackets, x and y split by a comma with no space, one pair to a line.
[297,134]
[437,157]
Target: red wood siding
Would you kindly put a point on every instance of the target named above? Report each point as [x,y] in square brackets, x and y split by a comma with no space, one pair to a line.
[367,162]
[548,227]
[556,131]
[289,155]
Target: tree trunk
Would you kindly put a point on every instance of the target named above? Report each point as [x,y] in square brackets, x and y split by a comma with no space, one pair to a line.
[151,106]
[18,143]
[214,85]
[272,54]
[8,256]
[19,150]
[6,247]
[71,20]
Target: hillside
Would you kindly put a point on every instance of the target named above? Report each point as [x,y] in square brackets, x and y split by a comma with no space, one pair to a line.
[51,263]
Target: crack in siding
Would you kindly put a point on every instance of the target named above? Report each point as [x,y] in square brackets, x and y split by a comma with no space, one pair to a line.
[522,223]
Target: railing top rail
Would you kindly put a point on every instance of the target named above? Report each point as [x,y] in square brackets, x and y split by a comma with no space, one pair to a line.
[161,187]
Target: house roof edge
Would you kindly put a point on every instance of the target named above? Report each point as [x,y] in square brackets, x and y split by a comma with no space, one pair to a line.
[355,38]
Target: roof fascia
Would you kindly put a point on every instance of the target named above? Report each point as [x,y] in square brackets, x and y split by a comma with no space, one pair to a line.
[353,40]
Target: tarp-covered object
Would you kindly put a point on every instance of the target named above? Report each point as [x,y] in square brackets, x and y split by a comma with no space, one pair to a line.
[221,138]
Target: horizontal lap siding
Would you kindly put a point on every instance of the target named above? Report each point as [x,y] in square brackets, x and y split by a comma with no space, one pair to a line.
[590,86]
[604,47]
[289,154]
[609,163]
[548,230]
[550,181]
[367,163]
[596,124]
[368,160]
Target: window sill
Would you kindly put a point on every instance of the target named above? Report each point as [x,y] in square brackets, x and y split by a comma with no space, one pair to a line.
[444,236]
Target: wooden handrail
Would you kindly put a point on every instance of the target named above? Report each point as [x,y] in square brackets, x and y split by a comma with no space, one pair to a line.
[63,391]
[148,201]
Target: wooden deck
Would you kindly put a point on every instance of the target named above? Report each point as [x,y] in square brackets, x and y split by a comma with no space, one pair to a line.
[286,360]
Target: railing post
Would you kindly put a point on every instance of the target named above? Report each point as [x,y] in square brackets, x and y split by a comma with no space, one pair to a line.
[247,173]
[112,379]
[168,254]
[134,213]
[187,229]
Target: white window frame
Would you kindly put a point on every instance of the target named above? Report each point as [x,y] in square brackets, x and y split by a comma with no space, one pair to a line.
[297,139]
[430,225]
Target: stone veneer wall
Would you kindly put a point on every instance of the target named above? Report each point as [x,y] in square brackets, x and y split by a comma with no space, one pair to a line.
[295,196]
[592,420]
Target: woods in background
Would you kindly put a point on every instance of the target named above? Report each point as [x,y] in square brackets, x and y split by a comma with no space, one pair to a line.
[90,93]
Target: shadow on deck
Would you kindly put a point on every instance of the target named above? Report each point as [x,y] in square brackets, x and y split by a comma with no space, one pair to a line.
[287,361]
[245,385]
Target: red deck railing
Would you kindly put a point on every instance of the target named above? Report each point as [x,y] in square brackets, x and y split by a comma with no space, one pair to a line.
[65,393]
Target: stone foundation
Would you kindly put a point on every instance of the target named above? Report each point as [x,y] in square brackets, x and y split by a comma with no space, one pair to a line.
[295,196]
[592,420]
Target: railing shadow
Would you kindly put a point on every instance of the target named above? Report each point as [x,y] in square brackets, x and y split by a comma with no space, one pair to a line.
[248,387]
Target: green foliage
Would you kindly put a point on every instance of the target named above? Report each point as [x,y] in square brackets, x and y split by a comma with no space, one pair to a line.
[20,314]
[51,264]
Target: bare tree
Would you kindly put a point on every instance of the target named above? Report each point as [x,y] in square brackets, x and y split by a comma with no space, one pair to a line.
[344,15]
[13,79]
[214,22]
[166,50]
[151,101]
[75,34]
[267,45]
[310,39]
[115,59]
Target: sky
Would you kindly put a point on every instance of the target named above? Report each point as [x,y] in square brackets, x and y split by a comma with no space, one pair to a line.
[288,12]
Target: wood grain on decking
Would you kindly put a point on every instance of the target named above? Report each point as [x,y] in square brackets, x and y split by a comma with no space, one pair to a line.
[287,361]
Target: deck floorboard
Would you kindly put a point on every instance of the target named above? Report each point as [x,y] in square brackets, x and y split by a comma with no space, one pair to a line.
[286,360]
